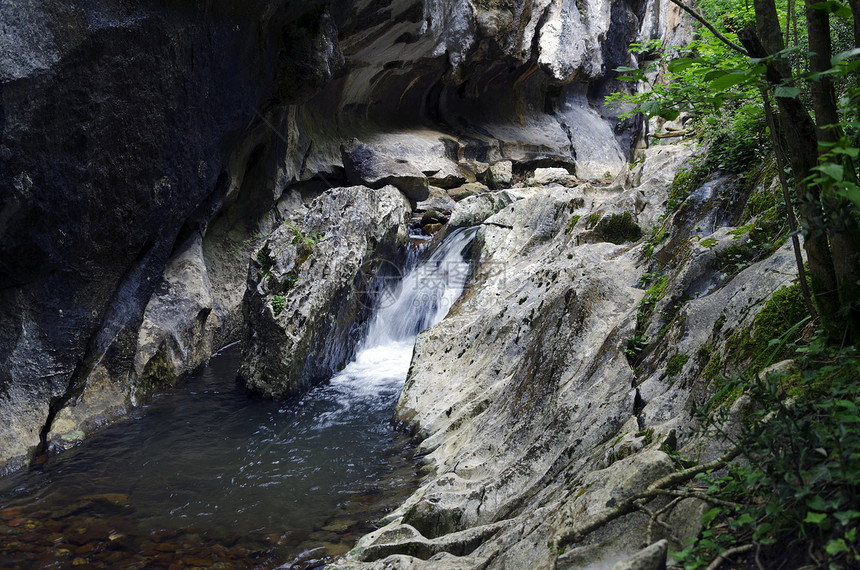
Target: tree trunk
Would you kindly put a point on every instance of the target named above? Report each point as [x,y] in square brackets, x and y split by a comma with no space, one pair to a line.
[841,225]
[802,148]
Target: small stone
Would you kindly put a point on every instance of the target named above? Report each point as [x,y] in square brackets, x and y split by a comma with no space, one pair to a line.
[10,513]
[500,174]
[167,547]
[650,558]
[466,190]
[118,499]
[79,561]
[430,229]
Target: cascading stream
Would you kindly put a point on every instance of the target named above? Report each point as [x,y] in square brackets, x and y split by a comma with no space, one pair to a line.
[204,466]
[419,300]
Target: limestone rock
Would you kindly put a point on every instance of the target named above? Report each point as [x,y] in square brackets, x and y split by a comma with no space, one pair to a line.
[438,200]
[366,165]
[308,285]
[547,176]
[500,174]
[475,209]
[527,409]
[650,558]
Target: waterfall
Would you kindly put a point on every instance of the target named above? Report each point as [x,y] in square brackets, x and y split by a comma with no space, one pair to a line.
[419,300]
[424,295]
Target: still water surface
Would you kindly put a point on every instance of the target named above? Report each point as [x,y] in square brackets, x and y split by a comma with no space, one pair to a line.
[204,476]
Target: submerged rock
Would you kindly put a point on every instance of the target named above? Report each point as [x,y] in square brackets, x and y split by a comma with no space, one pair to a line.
[308,287]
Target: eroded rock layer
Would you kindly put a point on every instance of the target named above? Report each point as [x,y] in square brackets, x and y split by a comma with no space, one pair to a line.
[536,414]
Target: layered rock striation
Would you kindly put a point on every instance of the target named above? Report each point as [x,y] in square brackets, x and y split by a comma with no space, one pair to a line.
[535,413]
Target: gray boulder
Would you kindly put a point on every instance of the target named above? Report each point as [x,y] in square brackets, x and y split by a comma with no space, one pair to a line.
[547,176]
[307,287]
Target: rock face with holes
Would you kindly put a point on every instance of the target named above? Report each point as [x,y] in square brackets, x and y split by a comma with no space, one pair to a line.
[308,287]
[531,417]
[147,150]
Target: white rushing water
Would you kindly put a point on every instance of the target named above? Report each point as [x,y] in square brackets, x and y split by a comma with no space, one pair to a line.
[419,300]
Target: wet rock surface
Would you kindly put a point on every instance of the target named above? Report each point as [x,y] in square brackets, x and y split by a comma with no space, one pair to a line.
[310,287]
[525,399]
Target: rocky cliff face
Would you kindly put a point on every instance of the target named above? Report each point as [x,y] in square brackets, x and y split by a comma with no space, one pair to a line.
[147,152]
[535,413]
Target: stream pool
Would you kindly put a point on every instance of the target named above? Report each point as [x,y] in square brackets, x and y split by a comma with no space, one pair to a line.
[203,476]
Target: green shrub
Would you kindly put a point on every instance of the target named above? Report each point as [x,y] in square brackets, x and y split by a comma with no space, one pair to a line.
[800,476]
[278,304]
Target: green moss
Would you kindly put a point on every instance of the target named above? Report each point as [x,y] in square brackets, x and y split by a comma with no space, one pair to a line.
[726,398]
[708,242]
[591,221]
[762,197]
[573,221]
[618,228]
[676,363]
[742,230]
[703,354]
[715,365]
[264,258]
[648,434]
[783,310]
[654,293]
[658,234]
[582,490]
[686,180]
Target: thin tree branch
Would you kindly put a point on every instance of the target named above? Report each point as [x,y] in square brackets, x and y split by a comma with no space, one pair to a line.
[632,503]
[655,518]
[702,20]
[701,496]
[728,554]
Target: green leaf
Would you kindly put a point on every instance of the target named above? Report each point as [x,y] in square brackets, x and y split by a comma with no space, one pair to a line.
[679,65]
[711,75]
[834,547]
[834,7]
[711,515]
[845,517]
[832,170]
[843,55]
[729,80]
[851,192]
[816,502]
[786,92]
[815,518]
[745,519]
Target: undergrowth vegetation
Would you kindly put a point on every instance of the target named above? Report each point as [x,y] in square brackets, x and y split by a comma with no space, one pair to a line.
[770,87]
[793,495]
